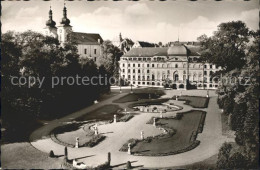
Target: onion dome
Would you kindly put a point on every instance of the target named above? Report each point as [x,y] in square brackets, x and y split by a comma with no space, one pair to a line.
[65,21]
[50,22]
[177,50]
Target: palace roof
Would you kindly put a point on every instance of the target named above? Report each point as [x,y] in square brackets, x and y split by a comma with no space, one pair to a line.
[164,51]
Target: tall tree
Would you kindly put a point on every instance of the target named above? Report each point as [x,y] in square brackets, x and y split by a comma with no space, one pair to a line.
[226,48]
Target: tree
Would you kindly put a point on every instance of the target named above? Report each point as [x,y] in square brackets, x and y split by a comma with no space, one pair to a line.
[226,48]
[110,57]
[243,99]
[237,161]
[30,54]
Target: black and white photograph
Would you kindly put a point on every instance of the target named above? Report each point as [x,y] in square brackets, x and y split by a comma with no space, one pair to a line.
[128,84]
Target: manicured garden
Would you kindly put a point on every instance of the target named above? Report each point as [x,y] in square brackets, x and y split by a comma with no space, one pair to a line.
[194,101]
[182,136]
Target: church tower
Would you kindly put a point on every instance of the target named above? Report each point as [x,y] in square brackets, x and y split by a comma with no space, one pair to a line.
[65,28]
[50,29]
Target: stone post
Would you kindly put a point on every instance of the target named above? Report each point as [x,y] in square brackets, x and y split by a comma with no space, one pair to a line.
[77,142]
[96,130]
[161,115]
[207,93]
[181,93]
[154,123]
[142,135]
[109,158]
[129,148]
[114,118]
[66,153]
[176,98]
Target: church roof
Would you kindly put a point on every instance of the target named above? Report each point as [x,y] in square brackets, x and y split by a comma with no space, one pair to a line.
[146,44]
[86,38]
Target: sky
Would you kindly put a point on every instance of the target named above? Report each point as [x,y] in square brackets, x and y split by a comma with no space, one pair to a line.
[152,21]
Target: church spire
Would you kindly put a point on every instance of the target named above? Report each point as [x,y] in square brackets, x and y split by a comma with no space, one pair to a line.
[50,22]
[65,21]
[120,37]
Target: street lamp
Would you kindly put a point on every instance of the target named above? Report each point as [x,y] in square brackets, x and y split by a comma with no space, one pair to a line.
[207,93]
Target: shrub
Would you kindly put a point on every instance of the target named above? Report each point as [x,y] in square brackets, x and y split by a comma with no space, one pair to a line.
[126,117]
[51,154]
[223,156]
[94,141]
[128,165]
[179,116]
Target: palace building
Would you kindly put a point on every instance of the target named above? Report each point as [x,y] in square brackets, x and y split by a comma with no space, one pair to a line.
[172,67]
[89,45]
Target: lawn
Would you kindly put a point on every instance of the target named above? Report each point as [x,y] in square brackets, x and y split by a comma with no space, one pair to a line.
[103,113]
[24,155]
[136,97]
[194,101]
[180,142]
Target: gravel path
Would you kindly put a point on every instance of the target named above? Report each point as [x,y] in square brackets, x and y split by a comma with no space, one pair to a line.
[117,134]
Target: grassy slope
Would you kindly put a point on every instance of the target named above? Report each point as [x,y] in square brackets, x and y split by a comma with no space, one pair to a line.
[105,112]
[24,156]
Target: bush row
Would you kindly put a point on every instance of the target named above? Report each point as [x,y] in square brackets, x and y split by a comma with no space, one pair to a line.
[202,121]
[126,118]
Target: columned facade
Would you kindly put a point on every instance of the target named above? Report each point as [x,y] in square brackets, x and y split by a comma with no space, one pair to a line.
[167,66]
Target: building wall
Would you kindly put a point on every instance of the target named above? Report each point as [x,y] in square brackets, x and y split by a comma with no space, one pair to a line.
[148,72]
[90,51]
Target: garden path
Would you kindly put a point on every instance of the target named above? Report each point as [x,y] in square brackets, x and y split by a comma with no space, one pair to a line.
[117,134]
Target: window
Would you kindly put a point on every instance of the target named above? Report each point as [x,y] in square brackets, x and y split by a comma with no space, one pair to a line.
[148,78]
[139,71]
[123,70]
[147,65]
[123,65]
[210,66]
[205,72]
[134,77]
[128,65]
[95,51]
[138,65]
[205,66]
[129,76]
[152,65]
[85,51]
[129,70]
[176,65]
[133,65]
[148,71]
[133,71]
